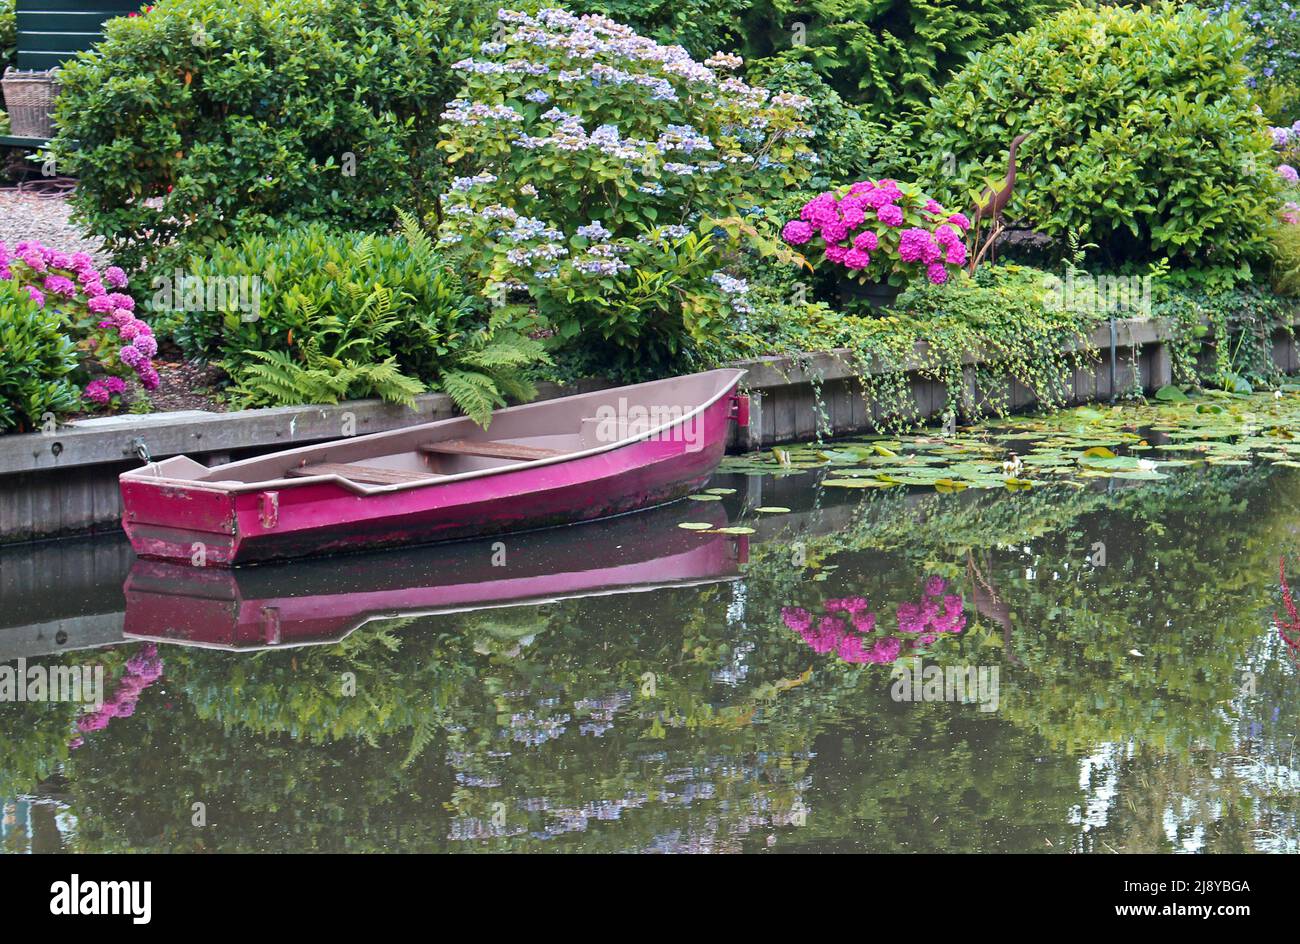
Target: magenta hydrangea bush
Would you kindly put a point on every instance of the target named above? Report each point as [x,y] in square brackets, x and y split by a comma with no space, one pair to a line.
[881,230]
[97,314]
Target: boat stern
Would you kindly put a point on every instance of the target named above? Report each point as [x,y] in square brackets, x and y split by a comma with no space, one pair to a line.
[169,518]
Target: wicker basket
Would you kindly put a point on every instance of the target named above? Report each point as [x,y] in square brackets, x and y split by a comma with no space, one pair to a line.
[29,99]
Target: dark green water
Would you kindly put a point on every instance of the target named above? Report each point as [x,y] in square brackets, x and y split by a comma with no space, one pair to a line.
[1144,700]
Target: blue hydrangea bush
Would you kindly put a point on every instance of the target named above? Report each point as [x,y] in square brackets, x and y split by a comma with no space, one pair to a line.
[612,179]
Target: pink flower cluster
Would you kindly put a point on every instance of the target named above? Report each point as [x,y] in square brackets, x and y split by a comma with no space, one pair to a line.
[869,217]
[142,670]
[102,391]
[848,622]
[70,284]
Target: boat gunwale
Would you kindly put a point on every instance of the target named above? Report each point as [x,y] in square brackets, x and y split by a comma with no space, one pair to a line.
[149,473]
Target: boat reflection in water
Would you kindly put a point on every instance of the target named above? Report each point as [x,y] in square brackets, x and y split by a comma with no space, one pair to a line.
[316,602]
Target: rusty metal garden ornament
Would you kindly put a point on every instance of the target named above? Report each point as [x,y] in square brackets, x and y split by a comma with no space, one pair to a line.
[989,206]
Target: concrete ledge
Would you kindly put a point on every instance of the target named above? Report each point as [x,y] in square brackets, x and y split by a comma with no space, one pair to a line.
[198,432]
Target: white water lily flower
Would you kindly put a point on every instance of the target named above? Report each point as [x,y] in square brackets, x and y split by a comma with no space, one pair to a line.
[1146,465]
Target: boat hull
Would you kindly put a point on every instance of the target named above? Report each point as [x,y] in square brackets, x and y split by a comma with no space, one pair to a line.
[205,525]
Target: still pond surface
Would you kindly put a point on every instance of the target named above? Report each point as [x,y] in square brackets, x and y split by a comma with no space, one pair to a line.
[1115,681]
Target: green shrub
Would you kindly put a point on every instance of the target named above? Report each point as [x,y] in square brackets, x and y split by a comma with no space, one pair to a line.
[345,315]
[1144,135]
[8,34]
[202,120]
[849,145]
[1285,243]
[608,177]
[890,55]
[36,361]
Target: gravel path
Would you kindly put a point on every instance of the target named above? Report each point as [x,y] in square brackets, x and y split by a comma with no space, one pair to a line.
[28,213]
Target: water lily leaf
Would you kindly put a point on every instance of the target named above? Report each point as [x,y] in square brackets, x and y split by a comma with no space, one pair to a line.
[772,510]
[695,525]
[738,529]
[1171,394]
[719,491]
[705,497]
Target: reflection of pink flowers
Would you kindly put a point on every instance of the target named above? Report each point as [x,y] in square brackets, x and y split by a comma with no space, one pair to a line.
[142,670]
[935,614]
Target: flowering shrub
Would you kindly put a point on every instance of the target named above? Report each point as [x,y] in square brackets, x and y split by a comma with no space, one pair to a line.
[1287,142]
[603,174]
[882,229]
[100,318]
[1274,56]
[37,360]
[848,627]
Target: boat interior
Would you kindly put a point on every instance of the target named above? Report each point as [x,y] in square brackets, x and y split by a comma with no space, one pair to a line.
[548,430]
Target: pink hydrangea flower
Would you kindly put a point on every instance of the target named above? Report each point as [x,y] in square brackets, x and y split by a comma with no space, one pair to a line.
[797,232]
[866,241]
[131,357]
[145,344]
[945,235]
[936,273]
[835,232]
[960,221]
[914,244]
[836,254]
[97,392]
[115,277]
[857,259]
[890,215]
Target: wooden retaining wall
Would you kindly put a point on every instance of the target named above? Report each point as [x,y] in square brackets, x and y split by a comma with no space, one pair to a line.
[65,482]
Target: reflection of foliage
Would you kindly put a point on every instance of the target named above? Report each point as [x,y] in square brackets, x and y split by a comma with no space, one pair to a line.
[693,719]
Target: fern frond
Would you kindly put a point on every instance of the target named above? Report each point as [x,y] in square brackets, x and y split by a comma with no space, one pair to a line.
[473,392]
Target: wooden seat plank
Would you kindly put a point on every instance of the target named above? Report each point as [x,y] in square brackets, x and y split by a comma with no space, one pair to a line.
[368,475]
[488,449]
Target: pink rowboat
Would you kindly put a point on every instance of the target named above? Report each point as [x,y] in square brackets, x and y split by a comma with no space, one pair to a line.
[538,465]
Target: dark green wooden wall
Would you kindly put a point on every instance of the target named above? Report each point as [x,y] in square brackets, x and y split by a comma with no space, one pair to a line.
[50,31]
